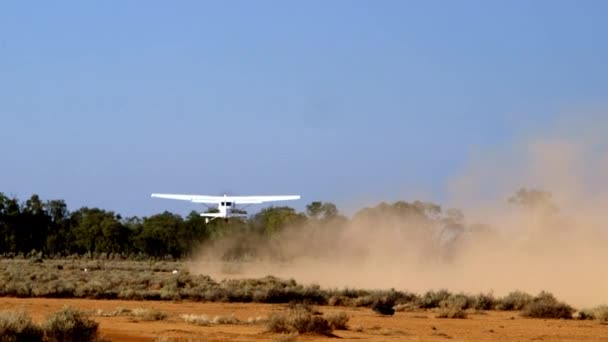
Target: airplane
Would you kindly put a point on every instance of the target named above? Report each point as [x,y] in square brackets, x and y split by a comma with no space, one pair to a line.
[226,205]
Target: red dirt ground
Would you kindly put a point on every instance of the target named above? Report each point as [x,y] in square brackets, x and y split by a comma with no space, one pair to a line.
[364,324]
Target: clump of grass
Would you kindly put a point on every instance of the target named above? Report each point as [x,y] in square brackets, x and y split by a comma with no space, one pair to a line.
[295,306]
[546,306]
[406,307]
[291,337]
[225,320]
[432,299]
[149,314]
[451,312]
[484,302]
[457,301]
[257,320]
[298,321]
[601,313]
[515,300]
[338,320]
[196,319]
[18,326]
[70,324]
[119,311]
[205,320]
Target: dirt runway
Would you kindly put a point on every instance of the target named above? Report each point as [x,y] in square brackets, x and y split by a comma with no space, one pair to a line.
[364,324]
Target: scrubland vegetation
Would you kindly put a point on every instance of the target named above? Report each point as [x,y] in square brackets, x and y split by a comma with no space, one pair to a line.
[66,325]
[132,280]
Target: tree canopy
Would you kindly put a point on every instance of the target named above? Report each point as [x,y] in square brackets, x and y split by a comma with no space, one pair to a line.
[50,228]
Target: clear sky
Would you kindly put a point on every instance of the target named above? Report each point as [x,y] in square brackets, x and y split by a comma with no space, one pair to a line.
[105,102]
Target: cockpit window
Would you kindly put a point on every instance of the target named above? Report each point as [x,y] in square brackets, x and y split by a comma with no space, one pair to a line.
[226,204]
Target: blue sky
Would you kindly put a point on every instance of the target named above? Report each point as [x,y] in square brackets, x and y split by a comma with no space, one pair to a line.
[105,102]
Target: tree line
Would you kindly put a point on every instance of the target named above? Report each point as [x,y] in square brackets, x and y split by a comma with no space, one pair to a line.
[48,228]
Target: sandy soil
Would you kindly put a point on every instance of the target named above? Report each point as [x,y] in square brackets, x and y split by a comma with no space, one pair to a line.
[364,324]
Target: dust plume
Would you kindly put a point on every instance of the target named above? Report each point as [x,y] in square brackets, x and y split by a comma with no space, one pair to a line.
[550,236]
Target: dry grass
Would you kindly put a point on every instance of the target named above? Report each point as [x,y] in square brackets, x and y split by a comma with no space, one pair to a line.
[546,306]
[298,320]
[70,324]
[148,314]
[451,312]
[338,320]
[18,326]
[601,313]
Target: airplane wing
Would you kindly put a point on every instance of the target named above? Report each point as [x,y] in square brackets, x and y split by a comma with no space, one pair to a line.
[218,199]
[259,199]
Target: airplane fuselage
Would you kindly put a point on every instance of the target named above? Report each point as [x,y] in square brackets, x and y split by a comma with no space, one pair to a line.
[224,210]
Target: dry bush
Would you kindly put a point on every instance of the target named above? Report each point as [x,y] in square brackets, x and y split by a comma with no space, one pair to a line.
[432,299]
[406,307]
[18,326]
[205,320]
[291,337]
[546,306]
[515,300]
[601,313]
[295,306]
[257,320]
[149,314]
[338,320]
[196,319]
[484,302]
[225,320]
[119,311]
[70,325]
[457,301]
[448,312]
[298,321]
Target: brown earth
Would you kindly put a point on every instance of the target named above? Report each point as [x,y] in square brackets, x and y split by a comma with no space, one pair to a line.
[364,324]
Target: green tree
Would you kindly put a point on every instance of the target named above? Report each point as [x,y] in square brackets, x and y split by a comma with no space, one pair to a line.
[159,235]
[318,210]
[98,231]
[33,226]
[59,236]
[274,219]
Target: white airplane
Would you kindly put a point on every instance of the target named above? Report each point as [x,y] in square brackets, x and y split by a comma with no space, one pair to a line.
[226,204]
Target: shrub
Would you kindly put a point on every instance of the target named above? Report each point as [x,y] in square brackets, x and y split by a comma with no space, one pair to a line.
[484,302]
[338,320]
[457,301]
[298,321]
[601,313]
[149,314]
[295,306]
[256,320]
[204,320]
[406,307]
[451,312]
[546,306]
[515,300]
[196,319]
[18,326]
[432,299]
[70,325]
[225,320]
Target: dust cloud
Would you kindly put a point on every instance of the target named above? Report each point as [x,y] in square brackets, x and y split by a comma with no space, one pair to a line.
[559,244]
